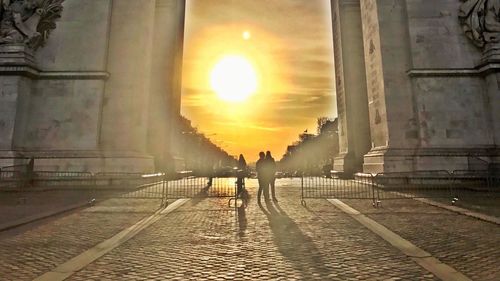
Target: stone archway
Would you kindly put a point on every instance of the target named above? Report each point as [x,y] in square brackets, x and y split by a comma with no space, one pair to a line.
[92,98]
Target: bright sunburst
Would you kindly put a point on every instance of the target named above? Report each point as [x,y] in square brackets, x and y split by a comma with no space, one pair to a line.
[234,79]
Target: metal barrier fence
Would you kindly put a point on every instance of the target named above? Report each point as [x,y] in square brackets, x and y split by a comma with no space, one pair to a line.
[167,188]
[61,178]
[337,187]
[11,179]
[392,186]
[14,176]
[201,187]
[123,185]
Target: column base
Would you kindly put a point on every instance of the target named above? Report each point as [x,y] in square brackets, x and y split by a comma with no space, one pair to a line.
[387,160]
[82,161]
[347,163]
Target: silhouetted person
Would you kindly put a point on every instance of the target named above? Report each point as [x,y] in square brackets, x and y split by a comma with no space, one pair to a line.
[262,177]
[241,173]
[242,163]
[271,173]
[327,170]
[30,172]
[209,173]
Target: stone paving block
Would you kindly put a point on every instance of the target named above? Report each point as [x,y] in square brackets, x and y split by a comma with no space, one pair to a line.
[26,255]
[469,245]
[205,240]
[19,205]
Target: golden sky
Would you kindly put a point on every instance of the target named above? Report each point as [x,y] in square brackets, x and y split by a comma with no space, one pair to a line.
[288,44]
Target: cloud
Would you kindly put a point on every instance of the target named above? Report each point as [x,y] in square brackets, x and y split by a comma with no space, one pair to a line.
[307,82]
[261,127]
[313,64]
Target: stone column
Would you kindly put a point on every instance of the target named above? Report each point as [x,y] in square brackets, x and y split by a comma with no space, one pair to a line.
[491,61]
[393,126]
[127,92]
[17,67]
[493,84]
[352,102]
[166,68]
[491,65]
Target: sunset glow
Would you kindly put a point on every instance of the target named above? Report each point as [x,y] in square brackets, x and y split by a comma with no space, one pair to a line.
[234,79]
[255,77]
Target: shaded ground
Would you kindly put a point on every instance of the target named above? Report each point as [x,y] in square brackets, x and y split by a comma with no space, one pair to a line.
[485,205]
[207,240]
[26,255]
[18,205]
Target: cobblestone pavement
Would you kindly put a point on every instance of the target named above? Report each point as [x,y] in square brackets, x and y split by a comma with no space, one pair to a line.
[26,255]
[469,245]
[18,205]
[206,240]
[485,205]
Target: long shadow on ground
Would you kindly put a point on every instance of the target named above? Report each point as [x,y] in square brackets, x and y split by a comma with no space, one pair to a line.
[298,248]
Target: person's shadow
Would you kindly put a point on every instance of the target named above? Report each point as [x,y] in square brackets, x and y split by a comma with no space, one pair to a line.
[242,221]
[295,246]
[241,212]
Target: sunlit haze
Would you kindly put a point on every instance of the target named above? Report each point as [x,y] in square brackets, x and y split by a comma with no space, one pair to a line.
[257,73]
[234,79]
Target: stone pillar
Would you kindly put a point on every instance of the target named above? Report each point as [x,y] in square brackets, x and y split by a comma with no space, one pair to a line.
[166,69]
[493,84]
[387,57]
[352,102]
[491,65]
[491,60]
[126,99]
[17,66]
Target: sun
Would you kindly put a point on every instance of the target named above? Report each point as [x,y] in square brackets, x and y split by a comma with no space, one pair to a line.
[246,35]
[234,79]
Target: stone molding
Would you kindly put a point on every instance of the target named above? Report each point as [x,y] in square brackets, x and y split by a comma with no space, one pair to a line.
[380,160]
[58,154]
[488,151]
[455,72]
[18,60]
[32,72]
[74,75]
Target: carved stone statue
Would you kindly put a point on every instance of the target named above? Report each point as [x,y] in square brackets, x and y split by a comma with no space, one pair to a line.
[481,21]
[28,21]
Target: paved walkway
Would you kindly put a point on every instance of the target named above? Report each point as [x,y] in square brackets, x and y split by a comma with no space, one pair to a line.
[16,205]
[206,240]
[26,255]
[469,245]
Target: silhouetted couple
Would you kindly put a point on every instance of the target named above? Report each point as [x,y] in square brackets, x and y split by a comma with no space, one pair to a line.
[266,173]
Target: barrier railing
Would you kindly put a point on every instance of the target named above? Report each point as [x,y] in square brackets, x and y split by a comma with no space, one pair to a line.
[127,185]
[11,179]
[392,186]
[14,176]
[62,178]
[202,187]
[336,187]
